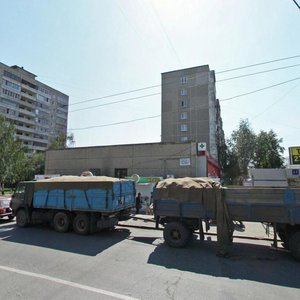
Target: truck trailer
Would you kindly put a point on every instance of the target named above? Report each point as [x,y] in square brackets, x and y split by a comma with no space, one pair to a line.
[183,205]
[84,204]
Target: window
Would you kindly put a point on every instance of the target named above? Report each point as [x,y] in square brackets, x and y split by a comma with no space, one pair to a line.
[183,92]
[183,80]
[184,139]
[12,85]
[120,173]
[183,115]
[183,103]
[183,127]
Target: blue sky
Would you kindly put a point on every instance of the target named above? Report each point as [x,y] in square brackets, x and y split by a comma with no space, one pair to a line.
[93,48]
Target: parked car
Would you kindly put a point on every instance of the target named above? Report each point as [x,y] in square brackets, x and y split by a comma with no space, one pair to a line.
[5,209]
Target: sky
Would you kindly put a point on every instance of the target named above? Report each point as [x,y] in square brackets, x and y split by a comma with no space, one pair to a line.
[108,56]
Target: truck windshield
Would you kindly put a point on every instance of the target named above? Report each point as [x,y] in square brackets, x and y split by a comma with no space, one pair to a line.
[20,189]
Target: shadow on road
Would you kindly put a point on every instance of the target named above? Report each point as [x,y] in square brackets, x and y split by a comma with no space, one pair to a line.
[246,262]
[42,236]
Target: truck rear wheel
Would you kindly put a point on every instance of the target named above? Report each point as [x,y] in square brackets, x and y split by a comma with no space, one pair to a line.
[22,218]
[61,222]
[81,224]
[176,234]
[294,245]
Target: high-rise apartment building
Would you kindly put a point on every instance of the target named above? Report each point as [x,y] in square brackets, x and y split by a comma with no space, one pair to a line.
[39,112]
[190,110]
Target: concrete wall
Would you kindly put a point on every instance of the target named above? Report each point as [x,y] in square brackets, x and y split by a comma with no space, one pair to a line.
[153,159]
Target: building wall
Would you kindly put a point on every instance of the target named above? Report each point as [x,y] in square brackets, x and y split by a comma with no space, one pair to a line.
[190,110]
[153,159]
[39,112]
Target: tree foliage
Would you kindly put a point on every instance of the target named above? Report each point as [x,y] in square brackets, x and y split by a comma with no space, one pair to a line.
[242,145]
[12,153]
[245,149]
[268,152]
[62,141]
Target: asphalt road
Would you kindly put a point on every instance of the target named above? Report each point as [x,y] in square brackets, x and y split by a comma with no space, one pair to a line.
[134,263]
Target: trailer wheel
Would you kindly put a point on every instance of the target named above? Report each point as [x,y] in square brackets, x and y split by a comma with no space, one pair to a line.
[294,245]
[61,222]
[81,224]
[22,218]
[176,234]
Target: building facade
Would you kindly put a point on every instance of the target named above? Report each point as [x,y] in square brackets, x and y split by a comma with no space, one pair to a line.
[190,110]
[149,160]
[39,112]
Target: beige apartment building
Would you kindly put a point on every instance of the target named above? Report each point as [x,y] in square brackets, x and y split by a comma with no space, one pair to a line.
[190,110]
[39,112]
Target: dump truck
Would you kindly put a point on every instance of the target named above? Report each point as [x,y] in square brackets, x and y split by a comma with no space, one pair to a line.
[184,205]
[84,204]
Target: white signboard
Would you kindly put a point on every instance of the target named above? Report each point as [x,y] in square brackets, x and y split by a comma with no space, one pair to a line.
[184,162]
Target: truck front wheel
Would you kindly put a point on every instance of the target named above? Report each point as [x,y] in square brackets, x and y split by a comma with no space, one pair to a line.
[176,234]
[61,222]
[81,224]
[22,218]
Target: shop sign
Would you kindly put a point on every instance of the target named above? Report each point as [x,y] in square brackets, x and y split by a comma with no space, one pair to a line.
[184,162]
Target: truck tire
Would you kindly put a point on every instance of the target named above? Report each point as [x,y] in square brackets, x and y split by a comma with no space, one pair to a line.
[176,234]
[61,222]
[81,224]
[22,219]
[294,245]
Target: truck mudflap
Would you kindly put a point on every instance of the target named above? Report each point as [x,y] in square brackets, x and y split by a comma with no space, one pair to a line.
[107,223]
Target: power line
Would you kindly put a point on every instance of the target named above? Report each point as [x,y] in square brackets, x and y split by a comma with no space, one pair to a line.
[156,116]
[117,123]
[165,33]
[119,101]
[155,94]
[262,89]
[117,94]
[274,103]
[256,73]
[296,4]
[159,85]
[258,64]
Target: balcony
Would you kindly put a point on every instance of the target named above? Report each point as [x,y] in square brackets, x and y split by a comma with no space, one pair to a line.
[28,88]
[28,96]
[26,138]
[26,104]
[25,129]
[25,120]
[26,112]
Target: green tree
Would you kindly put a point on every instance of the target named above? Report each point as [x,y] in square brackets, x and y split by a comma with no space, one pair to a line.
[268,152]
[243,146]
[35,164]
[12,153]
[62,141]
[245,149]
[230,167]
